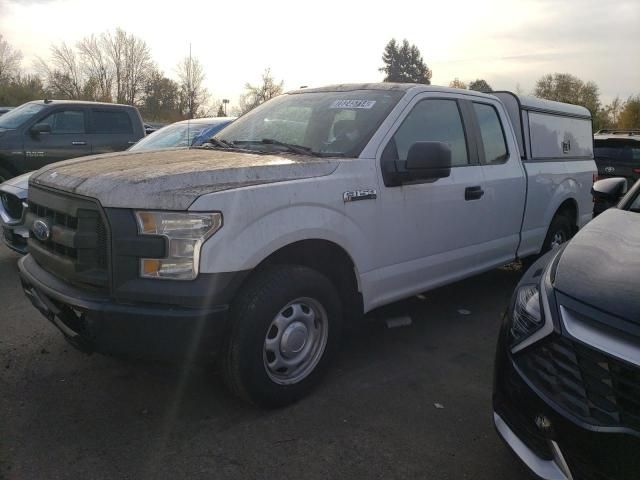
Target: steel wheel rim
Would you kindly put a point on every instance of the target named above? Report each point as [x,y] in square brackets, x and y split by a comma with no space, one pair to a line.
[295,341]
[558,239]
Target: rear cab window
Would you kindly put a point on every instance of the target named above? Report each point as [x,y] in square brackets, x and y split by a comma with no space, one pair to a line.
[492,134]
[621,150]
[109,121]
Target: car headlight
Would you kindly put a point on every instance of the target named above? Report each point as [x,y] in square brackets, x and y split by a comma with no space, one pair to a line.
[185,233]
[527,316]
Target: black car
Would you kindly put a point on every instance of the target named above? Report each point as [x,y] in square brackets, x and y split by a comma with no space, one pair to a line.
[42,132]
[617,154]
[567,374]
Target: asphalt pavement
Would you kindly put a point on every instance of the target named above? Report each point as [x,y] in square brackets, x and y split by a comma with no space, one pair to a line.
[411,402]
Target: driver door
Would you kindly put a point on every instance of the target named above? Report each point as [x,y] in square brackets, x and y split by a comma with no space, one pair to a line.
[67,139]
[429,231]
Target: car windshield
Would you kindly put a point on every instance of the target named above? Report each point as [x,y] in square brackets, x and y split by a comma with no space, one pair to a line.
[176,135]
[319,123]
[617,149]
[16,117]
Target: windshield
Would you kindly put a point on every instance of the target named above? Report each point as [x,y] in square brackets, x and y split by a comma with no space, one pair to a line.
[323,123]
[176,135]
[16,117]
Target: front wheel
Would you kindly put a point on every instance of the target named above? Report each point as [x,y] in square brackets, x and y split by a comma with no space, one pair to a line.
[285,328]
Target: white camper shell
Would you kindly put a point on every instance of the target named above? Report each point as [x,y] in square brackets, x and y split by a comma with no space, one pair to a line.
[548,130]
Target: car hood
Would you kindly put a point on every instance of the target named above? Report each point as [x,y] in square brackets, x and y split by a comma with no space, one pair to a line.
[173,179]
[21,181]
[601,265]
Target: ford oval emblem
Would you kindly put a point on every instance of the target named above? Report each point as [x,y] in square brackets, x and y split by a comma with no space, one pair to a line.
[41,230]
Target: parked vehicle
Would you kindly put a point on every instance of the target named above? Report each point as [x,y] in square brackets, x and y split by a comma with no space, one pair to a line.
[567,375]
[42,132]
[183,134]
[13,192]
[617,154]
[13,210]
[261,245]
[4,110]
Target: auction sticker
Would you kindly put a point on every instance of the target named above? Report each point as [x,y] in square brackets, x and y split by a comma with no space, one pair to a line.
[366,104]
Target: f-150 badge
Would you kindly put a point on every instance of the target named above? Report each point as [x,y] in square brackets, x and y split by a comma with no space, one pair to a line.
[353,195]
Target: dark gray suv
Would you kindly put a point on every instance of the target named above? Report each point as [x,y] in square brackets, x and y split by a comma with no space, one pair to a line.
[46,131]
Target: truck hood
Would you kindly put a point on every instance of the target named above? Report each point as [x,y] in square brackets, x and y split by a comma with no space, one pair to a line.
[601,265]
[173,179]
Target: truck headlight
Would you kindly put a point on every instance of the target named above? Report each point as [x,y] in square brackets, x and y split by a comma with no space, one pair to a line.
[527,316]
[185,233]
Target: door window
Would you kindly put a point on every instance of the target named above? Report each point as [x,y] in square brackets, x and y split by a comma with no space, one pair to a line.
[65,122]
[495,147]
[111,121]
[431,120]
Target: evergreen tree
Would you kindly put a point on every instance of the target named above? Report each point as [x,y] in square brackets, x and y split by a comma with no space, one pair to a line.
[404,63]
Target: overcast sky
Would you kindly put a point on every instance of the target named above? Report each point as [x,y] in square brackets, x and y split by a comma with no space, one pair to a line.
[508,43]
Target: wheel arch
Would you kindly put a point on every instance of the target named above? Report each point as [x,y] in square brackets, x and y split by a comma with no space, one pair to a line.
[330,259]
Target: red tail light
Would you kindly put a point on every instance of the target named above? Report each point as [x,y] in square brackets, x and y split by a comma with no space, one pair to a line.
[636,170]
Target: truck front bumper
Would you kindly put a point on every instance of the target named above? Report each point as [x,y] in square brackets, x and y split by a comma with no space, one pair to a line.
[95,322]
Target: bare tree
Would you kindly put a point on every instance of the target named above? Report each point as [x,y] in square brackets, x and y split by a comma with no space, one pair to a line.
[62,73]
[258,94]
[193,94]
[10,60]
[96,65]
[138,65]
[115,47]
[130,64]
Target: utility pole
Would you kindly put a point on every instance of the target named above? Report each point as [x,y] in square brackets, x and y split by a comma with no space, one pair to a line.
[225,101]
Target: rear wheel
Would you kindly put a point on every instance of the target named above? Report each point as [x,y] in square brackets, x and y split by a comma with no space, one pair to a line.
[560,231]
[285,328]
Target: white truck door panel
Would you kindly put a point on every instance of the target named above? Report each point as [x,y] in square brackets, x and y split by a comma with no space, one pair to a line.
[430,231]
[504,183]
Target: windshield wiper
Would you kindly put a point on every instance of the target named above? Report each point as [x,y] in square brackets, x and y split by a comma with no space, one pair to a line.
[218,142]
[299,149]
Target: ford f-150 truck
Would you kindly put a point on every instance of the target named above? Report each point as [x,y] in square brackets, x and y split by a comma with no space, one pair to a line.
[309,211]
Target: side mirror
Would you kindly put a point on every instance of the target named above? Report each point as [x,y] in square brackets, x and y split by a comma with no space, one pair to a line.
[39,128]
[607,193]
[429,160]
[609,189]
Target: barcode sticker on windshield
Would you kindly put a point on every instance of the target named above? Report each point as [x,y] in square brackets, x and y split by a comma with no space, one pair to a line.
[366,104]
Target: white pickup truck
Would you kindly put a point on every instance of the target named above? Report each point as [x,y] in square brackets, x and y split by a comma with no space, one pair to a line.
[304,214]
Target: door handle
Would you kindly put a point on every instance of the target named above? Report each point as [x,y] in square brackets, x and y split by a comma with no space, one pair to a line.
[473,193]
[78,143]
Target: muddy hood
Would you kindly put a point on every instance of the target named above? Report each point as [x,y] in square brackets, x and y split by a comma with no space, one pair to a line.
[173,179]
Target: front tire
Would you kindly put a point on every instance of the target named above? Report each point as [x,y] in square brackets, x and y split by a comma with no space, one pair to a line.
[285,328]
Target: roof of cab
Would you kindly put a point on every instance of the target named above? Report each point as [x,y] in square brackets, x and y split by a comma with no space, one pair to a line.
[387,86]
[80,102]
[526,102]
